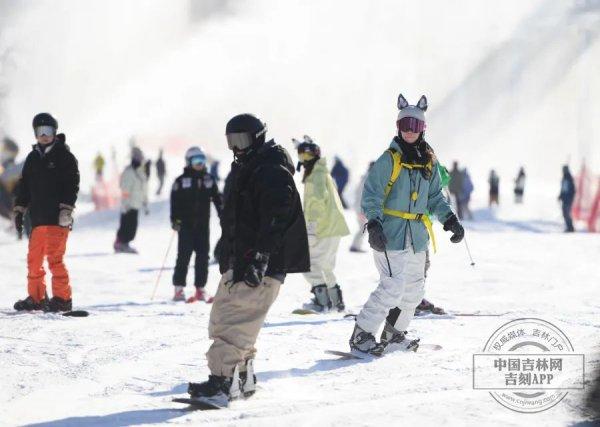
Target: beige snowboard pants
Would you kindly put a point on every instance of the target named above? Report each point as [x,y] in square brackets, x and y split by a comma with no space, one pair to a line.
[236,317]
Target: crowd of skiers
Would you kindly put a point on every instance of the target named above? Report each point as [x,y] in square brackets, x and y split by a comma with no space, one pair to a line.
[266,232]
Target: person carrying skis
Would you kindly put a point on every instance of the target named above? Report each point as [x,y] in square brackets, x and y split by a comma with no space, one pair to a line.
[326,225]
[48,190]
[134,196]
[191,195]
[403,185]
[264,238]
[161,171]
[566,197]
[520,186]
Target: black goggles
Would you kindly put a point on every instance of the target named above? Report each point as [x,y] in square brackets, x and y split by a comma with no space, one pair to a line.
[243,140]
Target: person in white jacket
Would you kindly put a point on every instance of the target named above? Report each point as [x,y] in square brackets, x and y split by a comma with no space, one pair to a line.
[134,197]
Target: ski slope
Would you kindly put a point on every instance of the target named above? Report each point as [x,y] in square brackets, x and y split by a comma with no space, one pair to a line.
[123,364]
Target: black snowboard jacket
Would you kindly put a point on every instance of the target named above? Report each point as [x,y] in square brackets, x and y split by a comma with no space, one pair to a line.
[191,195]
[263,213]
[48,179]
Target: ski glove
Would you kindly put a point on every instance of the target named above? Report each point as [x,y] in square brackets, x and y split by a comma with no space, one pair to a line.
[19,210]
[377,239]
[458,232]
[65,217]
[176,225]
[257,266]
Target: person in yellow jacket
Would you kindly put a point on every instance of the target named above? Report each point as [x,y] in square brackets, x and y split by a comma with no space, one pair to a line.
[325,225]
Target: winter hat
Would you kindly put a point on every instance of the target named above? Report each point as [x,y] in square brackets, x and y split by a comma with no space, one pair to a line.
[137,155]
[407,110]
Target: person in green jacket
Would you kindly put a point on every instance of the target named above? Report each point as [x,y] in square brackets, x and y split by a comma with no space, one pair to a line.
[325,225]
[402,189]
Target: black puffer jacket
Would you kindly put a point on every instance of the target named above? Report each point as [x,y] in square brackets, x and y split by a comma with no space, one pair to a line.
[191,195]
[48,179]
[263,212]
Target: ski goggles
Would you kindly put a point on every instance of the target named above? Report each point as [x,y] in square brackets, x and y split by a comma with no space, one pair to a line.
[243,140]
[411,124]
[198,160]
[306,156]
[45,131]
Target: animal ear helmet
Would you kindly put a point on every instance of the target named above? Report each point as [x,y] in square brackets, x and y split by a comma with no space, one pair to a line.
[422,104]
[402,102]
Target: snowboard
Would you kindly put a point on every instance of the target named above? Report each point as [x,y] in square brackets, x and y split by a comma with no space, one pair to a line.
[200,405]
[306,311]
[72,313]
[347,355]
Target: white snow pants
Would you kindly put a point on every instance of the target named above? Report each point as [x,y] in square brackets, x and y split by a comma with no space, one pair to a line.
[403,288]
[322,260]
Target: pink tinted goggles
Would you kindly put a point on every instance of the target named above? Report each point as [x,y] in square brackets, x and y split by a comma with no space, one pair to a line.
[411,124]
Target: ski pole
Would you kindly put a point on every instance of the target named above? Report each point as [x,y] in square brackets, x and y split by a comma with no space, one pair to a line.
[388,261]
[469,251]
[163,265]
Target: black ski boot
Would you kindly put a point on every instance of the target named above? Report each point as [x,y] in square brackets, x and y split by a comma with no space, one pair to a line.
[364,342]
[216,391]
[57,304]
[321,301]
[28,304]
[335,296]
[391,335]
[248,379]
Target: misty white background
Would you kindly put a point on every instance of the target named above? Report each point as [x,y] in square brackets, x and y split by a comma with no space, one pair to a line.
[509,83]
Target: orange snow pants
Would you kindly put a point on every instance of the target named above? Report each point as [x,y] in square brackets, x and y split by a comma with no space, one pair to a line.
[48,241]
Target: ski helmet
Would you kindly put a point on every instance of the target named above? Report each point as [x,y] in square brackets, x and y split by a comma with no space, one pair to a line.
[44,119]
[195,155]
[411,117]
[137,154]
[245,131]
[309,147]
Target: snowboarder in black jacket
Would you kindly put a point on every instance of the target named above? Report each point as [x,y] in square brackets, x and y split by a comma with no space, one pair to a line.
[191,195]
[264,237]
[48,190]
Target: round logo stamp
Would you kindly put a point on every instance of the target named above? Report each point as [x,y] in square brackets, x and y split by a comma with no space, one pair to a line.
[528,365]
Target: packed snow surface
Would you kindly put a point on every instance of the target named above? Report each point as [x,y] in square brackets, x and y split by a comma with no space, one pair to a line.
[124,363]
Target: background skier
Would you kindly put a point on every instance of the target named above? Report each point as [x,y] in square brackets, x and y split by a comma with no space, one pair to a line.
[359,236]
[520,186]
[566,197]
[494,182]
[134,197]
[264,237]
[161,171]
[99,164]
[456,188]
[47,190]
[191,195]
[326,225]
[341,175]
[403,185]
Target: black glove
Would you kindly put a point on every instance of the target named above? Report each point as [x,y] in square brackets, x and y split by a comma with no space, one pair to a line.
[176,225]
[458,232]
[257,266]
[377,239]
[19,224]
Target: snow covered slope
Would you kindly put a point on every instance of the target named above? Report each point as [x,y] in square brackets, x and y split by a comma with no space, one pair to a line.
[123,364]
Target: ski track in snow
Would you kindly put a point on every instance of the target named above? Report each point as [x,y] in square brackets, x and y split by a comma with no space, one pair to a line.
[123,364]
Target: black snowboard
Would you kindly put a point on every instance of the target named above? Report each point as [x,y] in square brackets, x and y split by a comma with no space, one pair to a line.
[197,404]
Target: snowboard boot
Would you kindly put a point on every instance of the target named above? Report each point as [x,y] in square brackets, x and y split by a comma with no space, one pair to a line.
[335,296]
[321,301]
[427,306]
[201,295]
[364,342]
[28,304]
[215,391]
[392,336]
[179,294]
[247,379]
[57,304]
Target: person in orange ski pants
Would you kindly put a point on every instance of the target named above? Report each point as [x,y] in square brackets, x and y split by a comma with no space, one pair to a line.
[48,190]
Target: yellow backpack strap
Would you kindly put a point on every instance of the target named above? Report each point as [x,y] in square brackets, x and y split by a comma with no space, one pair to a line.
[396,169]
